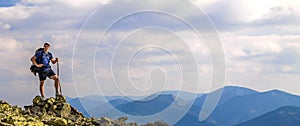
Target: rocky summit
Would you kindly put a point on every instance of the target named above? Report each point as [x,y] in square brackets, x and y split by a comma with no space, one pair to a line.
[52,112]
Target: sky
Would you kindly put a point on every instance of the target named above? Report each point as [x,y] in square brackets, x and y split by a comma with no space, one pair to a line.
[105,50]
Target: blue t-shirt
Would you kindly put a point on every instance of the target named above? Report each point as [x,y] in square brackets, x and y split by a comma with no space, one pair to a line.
[45,58]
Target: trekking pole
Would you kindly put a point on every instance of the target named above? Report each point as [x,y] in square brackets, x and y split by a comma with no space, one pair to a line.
[57,70]
[58,76]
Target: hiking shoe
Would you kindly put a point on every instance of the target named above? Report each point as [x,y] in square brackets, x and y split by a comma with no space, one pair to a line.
[43,98]
[57,94]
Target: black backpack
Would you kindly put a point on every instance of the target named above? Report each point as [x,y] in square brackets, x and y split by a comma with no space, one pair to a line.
[34,69]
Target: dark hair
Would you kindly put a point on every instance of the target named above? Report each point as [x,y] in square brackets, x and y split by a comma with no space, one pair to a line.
[47,43]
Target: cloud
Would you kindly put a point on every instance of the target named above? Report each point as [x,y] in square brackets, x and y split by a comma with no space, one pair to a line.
[34,2]
[278,20]
[16,12]
[254,17]
[79,4]
[4,26]
[262,62]
[47,15]
[162,55]
[285,68]
[15,76]
[279,15]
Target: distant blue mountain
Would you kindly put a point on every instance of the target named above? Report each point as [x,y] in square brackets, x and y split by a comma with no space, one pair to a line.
[188,96]
[83,104]
[103,98]
[236,105]
[77,104]
[118,102]
[143,108]
[109,98]
[105,109]
[229,92]
[95,105]
[162,101]
[283,116]
[69,98]
[243,108]
[87,103]
[135,108]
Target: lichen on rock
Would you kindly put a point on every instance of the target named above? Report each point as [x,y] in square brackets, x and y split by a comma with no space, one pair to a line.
[52,111]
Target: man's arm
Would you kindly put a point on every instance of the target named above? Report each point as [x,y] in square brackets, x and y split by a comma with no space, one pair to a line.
[33,60]
[54,60]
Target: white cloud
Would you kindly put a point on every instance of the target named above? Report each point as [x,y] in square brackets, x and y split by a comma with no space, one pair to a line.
[48,15]
[84,3]
[293,45]
[4,26]
[254,16]
[237,45]
[16,12]
[62,41]
[255,61]
[34,1]
[71,3]
[285,68]
[7,44]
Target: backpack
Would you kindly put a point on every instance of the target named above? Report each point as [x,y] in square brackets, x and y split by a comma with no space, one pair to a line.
[34,69]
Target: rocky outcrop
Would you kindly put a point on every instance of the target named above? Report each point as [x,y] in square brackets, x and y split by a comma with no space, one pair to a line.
[52,111]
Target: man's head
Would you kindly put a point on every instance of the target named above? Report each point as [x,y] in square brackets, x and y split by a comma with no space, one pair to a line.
[46,46]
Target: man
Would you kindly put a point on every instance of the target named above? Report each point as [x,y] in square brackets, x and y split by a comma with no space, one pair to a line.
[46,70]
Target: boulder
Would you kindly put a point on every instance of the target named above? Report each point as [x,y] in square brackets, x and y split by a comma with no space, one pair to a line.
[36,100]
[52,111]
[56,121]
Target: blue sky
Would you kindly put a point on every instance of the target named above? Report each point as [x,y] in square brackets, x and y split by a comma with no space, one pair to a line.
[260,40]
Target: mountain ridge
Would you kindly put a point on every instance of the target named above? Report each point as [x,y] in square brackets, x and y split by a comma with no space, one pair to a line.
[283,116]
[237,104]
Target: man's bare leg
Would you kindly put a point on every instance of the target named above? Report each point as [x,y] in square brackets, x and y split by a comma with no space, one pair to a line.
[56,84]
[42,88]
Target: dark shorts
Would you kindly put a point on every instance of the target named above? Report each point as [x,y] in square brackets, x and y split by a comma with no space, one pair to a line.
[43,74]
